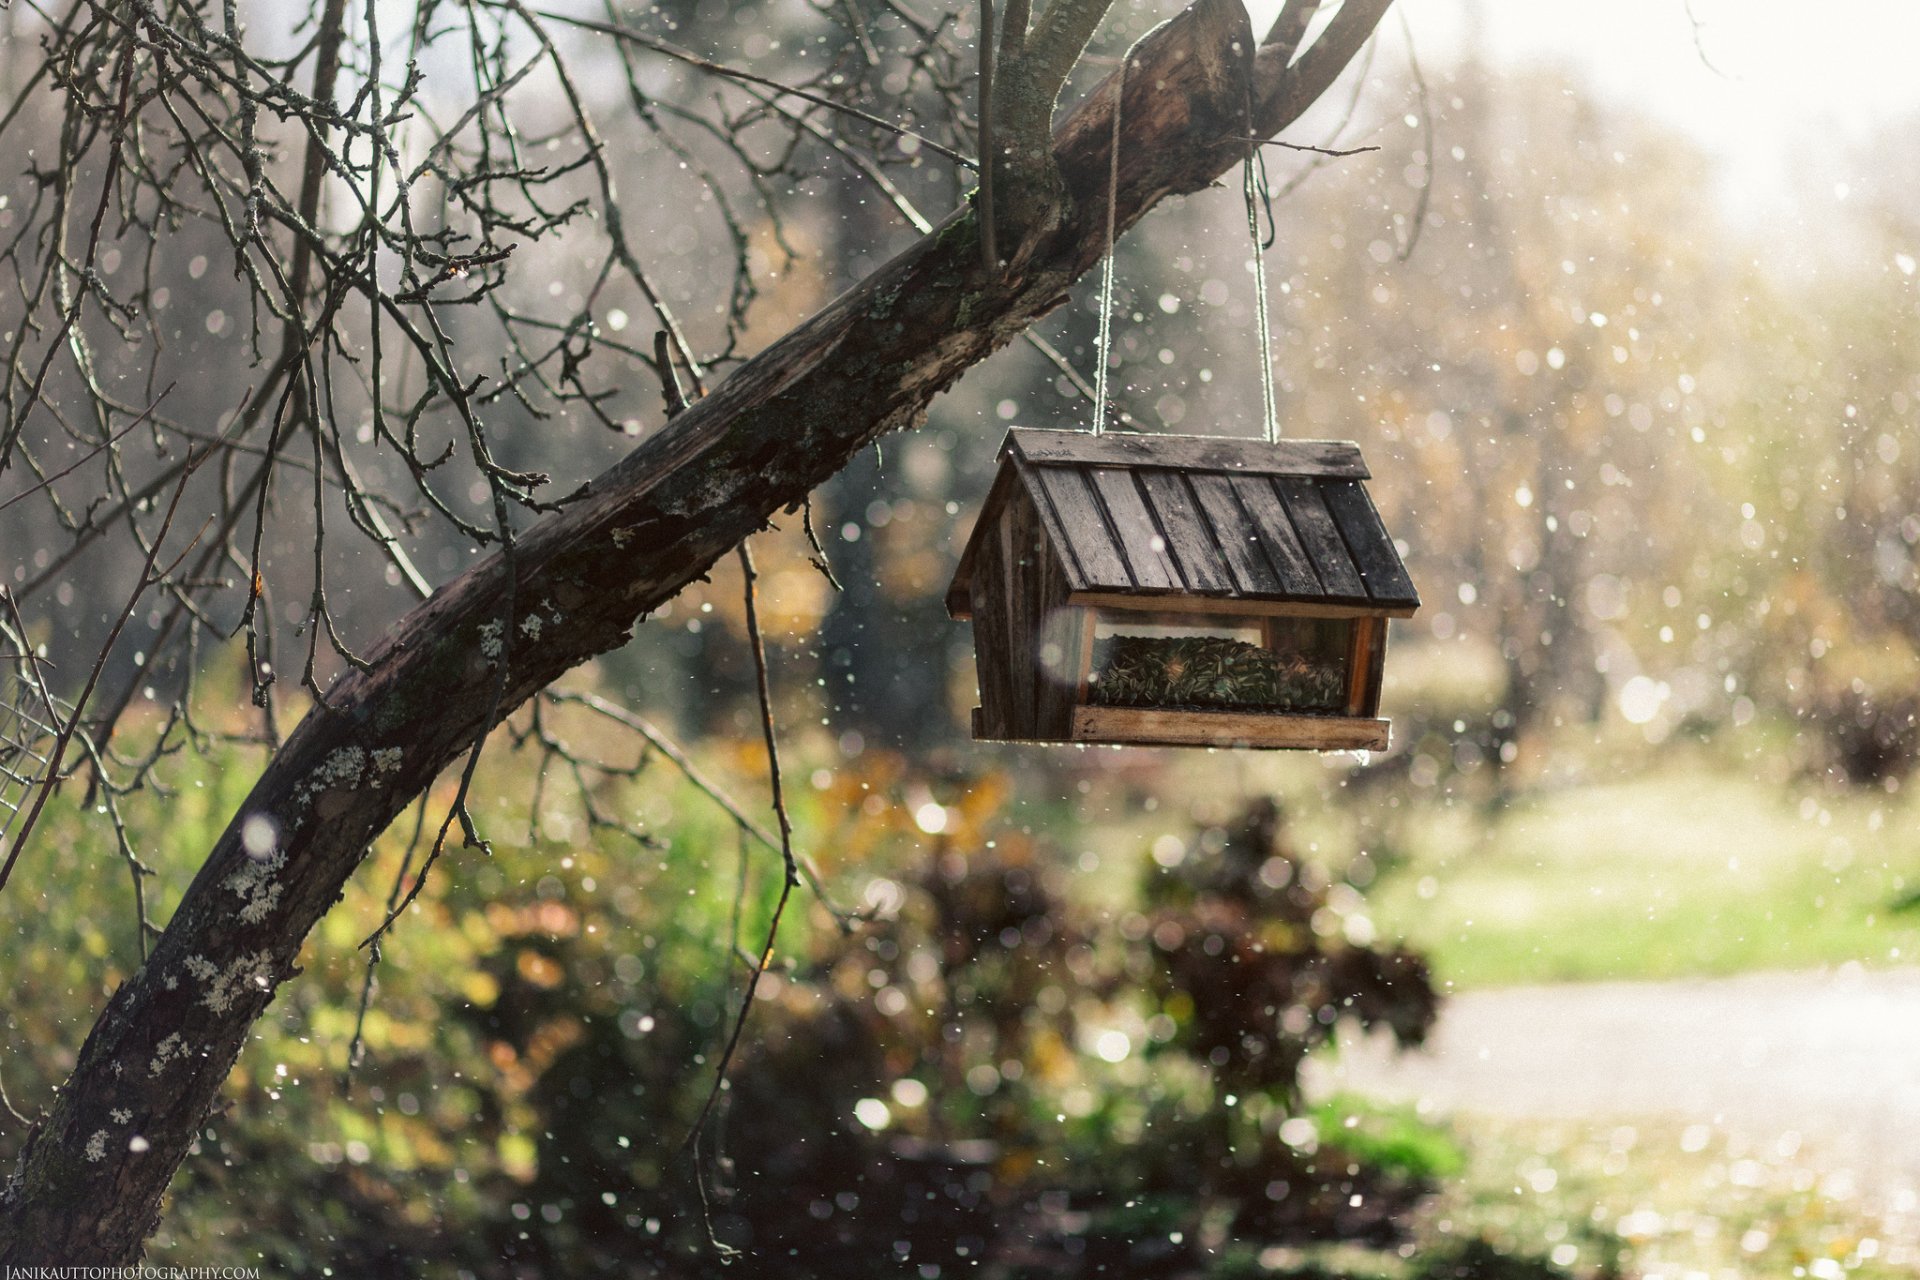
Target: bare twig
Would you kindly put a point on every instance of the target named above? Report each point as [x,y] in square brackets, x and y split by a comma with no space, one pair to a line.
[710,789]
[356,1047]
[51,780]
[1418,219]
[1335,152]
[790,865]
[86,457]
[645,41]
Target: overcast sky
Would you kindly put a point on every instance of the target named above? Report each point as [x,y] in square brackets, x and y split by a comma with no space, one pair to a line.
[1786,90]
[1773,70]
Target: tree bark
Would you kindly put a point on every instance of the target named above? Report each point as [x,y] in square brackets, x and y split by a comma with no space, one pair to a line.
[90,1182]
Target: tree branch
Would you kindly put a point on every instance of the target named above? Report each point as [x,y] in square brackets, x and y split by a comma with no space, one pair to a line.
[1289,27]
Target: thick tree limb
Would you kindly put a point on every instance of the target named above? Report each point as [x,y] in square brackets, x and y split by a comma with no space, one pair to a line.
[89,1186]
[1026,89]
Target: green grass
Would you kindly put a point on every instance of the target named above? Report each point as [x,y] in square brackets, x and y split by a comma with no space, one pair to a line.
[1591,1199]
[1673,1201]
[1695,870]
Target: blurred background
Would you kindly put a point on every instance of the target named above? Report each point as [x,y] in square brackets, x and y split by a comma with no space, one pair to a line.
[1620,307]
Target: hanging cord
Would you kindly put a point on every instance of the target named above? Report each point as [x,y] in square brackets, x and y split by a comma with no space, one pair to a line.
[1105,344]
[1254,185]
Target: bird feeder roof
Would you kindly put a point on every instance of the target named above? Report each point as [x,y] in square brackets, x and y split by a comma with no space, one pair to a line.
[1200,517]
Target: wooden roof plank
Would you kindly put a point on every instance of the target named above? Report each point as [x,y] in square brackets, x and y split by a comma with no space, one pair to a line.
[1186,532]
[1087,540]
[1321,538]
[1366,536]
[1234,531]
[1322,458]
[1150,564]
[1278,539]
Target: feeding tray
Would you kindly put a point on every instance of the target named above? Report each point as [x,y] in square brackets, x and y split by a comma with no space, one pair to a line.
[1180,591]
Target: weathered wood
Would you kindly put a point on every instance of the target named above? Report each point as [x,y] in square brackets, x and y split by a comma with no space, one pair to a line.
[1140,540]
[993,633]
[1186,607]
[573,586]
[1321,539]
[1359,667]
[1019,531]
[1190,453]
[1083,532]
[1029,652]
[960,590]
[1153,726]
[1278,538]
[1185,530]
[1239,539]
[1375,678]
[1366,537]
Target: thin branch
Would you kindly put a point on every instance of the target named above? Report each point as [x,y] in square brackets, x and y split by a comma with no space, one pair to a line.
[357,1046]
[1700,42]
[788,881]
[1418,221]
[6,1104]
[1335,152]
[673,51]
[88,456]
[52,779]
[710,789]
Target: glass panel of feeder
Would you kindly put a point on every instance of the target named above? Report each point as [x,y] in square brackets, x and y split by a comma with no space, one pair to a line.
[1219,663]
[1312,655]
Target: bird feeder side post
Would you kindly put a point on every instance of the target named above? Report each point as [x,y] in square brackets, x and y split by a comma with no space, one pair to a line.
[1089,631]
[1378,674]
[1359,665]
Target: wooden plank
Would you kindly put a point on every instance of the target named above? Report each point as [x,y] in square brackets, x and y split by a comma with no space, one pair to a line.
[1359,666]
[960,590]
[1089,543]
[1233,530]
[1164,603]
[1185,529]
[1149,726]
[992,638]
[1140,540]
[1018,534]
[1089,628]
[1371,705]
[1367,539]
[1321,538]
[1190,453]
[1278,538]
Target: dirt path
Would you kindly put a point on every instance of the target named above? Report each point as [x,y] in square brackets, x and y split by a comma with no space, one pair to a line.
[1833,1057]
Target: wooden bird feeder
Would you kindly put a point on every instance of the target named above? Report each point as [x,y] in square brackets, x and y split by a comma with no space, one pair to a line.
[1180,591]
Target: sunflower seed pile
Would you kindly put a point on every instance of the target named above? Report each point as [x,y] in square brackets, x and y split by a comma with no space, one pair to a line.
[1211,673]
